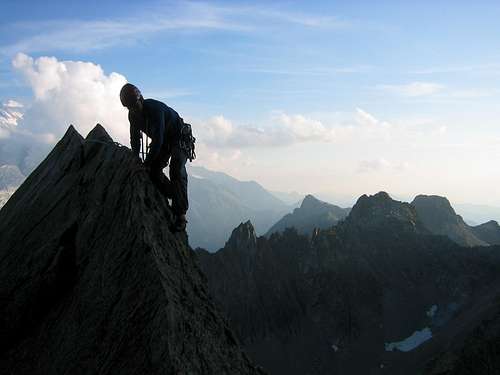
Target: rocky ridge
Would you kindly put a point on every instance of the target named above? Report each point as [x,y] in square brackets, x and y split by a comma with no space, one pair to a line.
[93,281]
[439,217]
[317,305]
[311,214]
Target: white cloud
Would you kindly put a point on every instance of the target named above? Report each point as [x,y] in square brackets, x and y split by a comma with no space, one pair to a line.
[4,133]
[64,93]
[367,119]
[441,130]
[282,130]
[413,89]
[71,92]
[12,104]
[305,129]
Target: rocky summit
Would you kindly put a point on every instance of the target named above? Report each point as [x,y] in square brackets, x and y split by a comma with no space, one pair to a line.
[94,282]
[439,217]
[311,214]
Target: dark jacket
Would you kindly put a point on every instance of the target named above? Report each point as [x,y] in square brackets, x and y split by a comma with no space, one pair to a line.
[160,123]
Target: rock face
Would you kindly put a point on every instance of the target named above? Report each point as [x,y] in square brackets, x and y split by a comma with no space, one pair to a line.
[311,214]
[93,281]
[243,238]
[439,217]
[380,211]
[488,232]
[353,299]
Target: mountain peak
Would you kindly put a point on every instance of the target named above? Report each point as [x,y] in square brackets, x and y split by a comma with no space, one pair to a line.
[98,133]
[380,209]
[87,236]
[439,217]
[310,201]
[312,213]
[436,201]
[243,237]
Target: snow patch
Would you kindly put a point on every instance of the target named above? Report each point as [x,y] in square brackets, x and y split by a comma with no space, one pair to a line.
[411,342]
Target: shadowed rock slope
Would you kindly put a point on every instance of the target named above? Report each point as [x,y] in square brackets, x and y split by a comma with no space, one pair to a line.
[93,281]
[439,217]
[311,214]
[488,232]
[350,299]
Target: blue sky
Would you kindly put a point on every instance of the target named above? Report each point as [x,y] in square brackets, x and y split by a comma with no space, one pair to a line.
[335,98]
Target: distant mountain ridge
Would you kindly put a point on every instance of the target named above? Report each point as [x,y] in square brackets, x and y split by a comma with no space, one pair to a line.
[439,217]
[250,193]
[360,289]
[312,213]
[219,202]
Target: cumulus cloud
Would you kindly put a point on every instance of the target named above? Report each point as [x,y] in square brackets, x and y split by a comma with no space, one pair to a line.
[413,89]
[305,129]
[367,119]
[64,93]
[71,92]
[282,129]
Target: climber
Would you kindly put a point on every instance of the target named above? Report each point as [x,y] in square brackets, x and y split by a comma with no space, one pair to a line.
[171,139]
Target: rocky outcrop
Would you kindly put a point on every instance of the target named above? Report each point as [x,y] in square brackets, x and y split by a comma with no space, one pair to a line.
[488,232]
[380,211]
[93,281]
[311,214]
[243,238]
[440,218]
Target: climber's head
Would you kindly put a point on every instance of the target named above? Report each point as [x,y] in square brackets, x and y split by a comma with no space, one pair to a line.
[131,97]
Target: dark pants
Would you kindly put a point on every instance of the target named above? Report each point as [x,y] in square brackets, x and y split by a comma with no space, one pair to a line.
[176,187]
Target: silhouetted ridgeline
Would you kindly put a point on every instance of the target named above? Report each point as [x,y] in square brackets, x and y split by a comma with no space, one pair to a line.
[93,281]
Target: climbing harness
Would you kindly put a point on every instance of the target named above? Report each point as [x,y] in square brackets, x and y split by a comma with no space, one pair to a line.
[187,141]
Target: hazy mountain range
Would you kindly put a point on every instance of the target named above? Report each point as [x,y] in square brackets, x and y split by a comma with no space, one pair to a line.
[311,214]
[377,293]
[219,202]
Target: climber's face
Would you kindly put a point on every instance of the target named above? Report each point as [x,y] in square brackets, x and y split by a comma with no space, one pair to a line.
[137,107]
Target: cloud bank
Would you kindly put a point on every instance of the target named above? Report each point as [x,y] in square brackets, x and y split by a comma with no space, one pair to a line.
[64,93]
[71,92]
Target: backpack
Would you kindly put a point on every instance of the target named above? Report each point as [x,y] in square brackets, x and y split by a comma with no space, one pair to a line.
[186,141]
